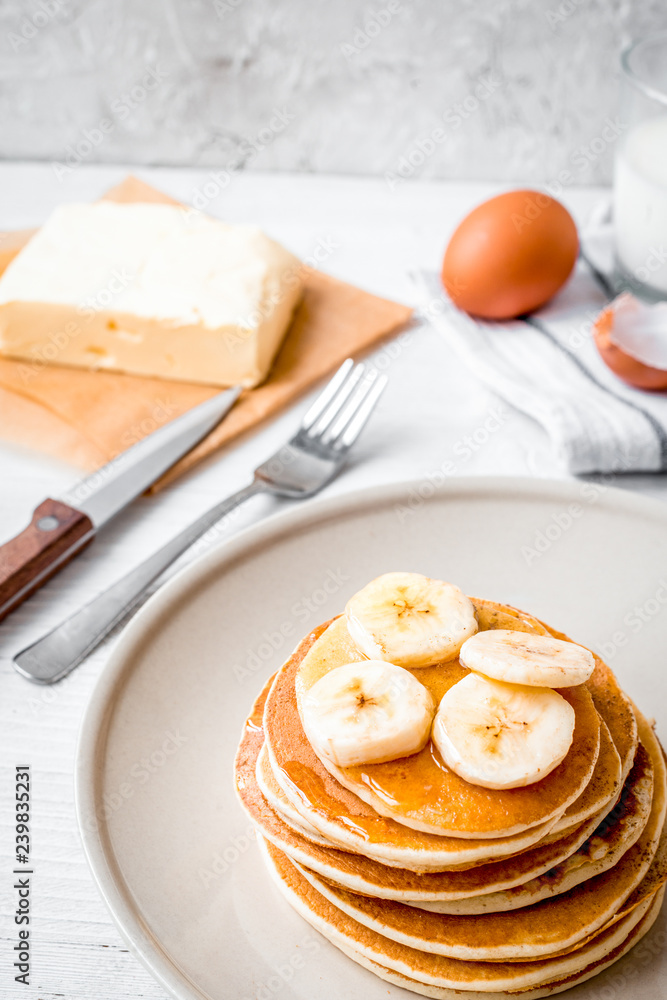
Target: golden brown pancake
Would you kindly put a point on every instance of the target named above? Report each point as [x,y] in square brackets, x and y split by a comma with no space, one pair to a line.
[352,825]
[421,791]
[553,927]
[279,802]
[440,970]
[532,993]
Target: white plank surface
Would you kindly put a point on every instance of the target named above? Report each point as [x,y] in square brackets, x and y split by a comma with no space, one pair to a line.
[431,405]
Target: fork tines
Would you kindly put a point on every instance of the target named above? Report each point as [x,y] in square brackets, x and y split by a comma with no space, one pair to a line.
[340,412]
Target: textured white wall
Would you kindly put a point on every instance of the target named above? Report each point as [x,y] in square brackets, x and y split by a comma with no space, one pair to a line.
[497,89]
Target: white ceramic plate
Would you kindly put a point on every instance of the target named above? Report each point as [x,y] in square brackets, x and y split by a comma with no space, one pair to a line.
[167,843]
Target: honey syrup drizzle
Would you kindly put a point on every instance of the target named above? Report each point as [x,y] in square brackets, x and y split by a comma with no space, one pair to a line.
[311,791]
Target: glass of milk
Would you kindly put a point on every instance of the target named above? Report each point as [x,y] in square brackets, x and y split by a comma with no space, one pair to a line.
[640,174]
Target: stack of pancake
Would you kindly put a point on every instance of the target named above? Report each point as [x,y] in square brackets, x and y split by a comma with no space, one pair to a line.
[446,887]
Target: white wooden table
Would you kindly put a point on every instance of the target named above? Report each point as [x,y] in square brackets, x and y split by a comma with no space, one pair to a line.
[427,419]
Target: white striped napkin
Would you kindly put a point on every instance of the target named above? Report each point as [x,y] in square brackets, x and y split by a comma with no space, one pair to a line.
[550,369]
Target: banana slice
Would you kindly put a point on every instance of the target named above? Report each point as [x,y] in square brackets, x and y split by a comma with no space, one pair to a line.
[367,712]
[502,735]
[522,658]
[410,620]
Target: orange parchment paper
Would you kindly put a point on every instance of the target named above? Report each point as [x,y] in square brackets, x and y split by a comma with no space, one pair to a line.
[88,417]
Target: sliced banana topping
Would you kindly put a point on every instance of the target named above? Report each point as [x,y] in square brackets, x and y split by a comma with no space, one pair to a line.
[367,712]
[410,620]
[502,735]
[522,658]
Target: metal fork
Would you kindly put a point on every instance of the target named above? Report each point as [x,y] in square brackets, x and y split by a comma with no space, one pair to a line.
[301,468]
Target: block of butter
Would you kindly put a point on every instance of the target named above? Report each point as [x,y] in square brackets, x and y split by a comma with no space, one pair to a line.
[149,289]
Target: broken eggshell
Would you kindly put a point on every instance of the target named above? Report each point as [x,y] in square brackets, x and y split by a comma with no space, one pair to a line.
[631,337]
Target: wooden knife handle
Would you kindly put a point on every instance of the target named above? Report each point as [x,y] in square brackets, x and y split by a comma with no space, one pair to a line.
[55,534]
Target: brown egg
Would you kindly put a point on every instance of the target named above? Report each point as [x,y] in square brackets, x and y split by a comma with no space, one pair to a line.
[510,255]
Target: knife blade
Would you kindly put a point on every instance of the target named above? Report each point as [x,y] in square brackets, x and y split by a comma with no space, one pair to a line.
[60,528]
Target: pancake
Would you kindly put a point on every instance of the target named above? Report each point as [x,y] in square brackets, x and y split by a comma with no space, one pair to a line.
[352,825]
[363,875]
[600,795]
[283,807]
[429,935]
[549,989]
[291,815]
[439,970]
[618,831]
[420,791]
[546,929]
